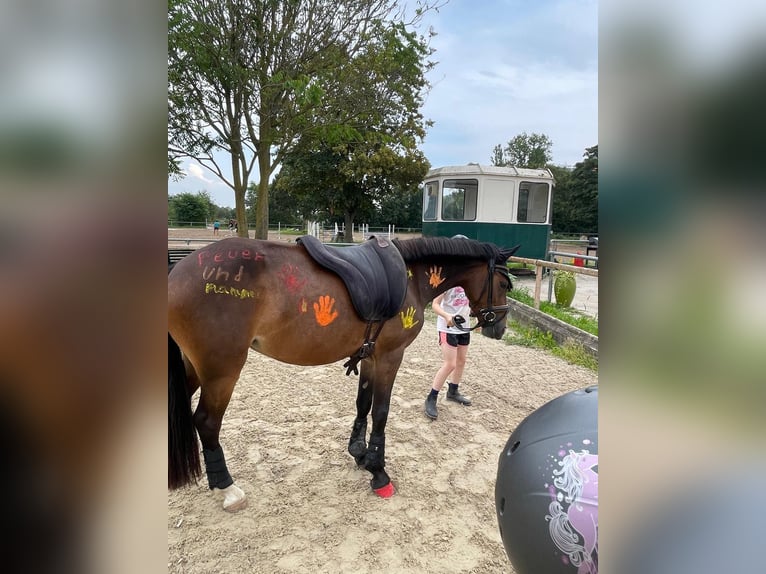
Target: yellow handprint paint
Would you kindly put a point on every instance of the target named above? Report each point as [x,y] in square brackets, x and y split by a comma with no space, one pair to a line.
[323,310]
[408,319]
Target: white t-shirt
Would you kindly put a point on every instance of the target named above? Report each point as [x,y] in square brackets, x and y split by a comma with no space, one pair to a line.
[454,303]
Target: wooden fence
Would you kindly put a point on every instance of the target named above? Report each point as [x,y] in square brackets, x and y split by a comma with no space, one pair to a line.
[541,264]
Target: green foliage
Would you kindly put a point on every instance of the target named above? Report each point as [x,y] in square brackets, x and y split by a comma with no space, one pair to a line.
[352,175]
[575,198]
[584,192]
[535,338]
[576,354]
[525,151]
[401,207]
[174,169]
[223,214]
[561,216]
[357,183]
[284,207]
[196,207]
[529,337]
[565,314]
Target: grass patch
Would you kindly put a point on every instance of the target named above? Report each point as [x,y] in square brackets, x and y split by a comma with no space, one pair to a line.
[567,314]
[535,338]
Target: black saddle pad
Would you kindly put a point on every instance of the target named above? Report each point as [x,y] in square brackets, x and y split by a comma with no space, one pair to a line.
[374,273]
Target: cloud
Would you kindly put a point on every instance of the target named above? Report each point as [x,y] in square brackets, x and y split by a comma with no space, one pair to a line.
[197,171]
[513,67]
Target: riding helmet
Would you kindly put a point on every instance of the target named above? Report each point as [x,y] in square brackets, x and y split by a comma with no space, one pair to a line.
[546,493]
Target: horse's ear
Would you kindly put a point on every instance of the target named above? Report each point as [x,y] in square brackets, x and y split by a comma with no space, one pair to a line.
[506,253]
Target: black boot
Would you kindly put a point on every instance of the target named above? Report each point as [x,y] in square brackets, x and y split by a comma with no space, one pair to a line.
[453,394]
[431,410]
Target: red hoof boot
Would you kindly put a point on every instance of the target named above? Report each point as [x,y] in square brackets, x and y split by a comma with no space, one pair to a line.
[385,491]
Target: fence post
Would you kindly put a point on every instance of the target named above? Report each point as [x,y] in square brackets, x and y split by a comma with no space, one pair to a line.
[550,278]
[538,284]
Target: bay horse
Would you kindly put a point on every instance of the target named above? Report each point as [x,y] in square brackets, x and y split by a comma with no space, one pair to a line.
[238,294]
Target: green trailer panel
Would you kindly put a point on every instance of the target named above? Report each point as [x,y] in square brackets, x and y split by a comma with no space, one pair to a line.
[533,238]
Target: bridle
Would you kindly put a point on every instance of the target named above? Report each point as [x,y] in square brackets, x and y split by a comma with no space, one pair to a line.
[487,315]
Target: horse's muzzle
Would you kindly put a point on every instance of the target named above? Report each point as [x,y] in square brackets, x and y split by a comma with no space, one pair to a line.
[494,331]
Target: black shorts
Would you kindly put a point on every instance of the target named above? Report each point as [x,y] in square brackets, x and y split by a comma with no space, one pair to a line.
[453,340]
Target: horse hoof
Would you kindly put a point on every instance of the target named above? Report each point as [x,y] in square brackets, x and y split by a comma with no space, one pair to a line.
[385,491]
[234,498]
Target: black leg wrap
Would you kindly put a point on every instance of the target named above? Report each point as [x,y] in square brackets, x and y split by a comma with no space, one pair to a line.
[357,443]
[376,454]
[215,465]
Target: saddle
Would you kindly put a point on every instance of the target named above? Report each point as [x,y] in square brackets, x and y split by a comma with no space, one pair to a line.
[374,273]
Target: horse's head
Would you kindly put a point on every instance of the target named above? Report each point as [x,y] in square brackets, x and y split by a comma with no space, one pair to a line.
[491,307]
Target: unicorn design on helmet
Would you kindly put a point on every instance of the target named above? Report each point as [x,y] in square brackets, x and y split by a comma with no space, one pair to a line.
[573,518]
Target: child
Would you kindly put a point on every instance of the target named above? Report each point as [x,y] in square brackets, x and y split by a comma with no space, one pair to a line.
[454,346]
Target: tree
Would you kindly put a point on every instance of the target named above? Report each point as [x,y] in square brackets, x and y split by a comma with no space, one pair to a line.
[249,78]
[284,208]
[584,192]
[191,207]
[525,151]
[402,208]
[497,156]
[561,210]
[354,181]
[354,176]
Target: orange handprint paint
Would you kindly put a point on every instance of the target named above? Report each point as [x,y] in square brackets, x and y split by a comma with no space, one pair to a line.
[323,310]
[435,276]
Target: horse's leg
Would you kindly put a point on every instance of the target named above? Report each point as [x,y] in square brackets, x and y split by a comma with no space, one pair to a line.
[385,371]
[357,443]
[214,398]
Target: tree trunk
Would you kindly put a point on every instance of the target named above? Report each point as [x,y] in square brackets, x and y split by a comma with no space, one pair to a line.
[262,210]
[348,218]
[264,171]
[239,198]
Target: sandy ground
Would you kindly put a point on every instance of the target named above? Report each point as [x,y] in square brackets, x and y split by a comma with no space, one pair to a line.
[312,510]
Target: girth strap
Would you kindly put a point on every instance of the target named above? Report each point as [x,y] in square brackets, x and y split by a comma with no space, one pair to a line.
[367,348]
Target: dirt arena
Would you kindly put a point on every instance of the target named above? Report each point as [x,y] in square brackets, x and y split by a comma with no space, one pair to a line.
[312,510]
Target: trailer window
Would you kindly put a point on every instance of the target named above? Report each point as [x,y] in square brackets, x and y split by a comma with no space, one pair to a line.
[533,202]
[430,195]
[459,199]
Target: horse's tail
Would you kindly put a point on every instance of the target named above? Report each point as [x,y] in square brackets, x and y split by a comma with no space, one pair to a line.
[183,450]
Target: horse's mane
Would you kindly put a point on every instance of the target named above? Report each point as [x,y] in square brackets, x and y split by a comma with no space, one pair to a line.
[422,247]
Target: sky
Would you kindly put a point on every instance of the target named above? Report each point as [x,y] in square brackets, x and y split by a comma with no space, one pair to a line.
[504,67]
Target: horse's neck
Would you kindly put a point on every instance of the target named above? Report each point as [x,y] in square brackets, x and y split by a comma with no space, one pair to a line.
[434,277]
